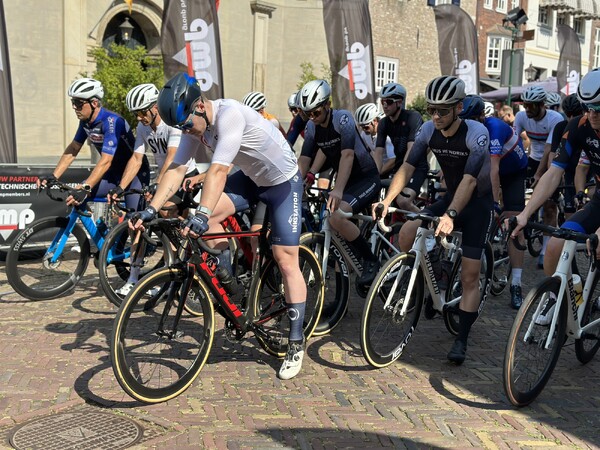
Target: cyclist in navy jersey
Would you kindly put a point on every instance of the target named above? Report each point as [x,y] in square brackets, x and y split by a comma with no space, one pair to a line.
[581,134]
[508,171]
[110,135]
[299,120]
[332,137]
[462,150]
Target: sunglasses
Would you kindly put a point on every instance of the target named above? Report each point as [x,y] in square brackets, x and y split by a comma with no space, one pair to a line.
[592,107]
[389,101]
[366,127]
[441,112]
[78,103]
[189,123]
[315,112]
[142,113]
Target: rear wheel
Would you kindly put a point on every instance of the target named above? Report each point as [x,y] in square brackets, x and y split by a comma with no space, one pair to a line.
[502,266]
[587,346]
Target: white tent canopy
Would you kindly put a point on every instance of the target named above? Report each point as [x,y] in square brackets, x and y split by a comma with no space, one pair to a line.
[549,85]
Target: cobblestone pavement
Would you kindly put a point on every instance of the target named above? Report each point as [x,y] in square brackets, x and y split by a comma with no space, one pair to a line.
[55,359]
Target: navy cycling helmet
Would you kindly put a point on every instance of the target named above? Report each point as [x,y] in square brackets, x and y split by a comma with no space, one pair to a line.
[571,105]
[178,98]
[473,106]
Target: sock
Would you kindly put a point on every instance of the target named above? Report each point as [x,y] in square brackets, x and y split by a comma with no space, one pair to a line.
[363,248]
[516,277]
[225,260]
[136,268]
[466,320]
[544,245]
[295,312]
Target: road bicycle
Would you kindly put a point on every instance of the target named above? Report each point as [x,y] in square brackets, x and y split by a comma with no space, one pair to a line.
[48,258]
[551,312]
[396,297]
[158,348]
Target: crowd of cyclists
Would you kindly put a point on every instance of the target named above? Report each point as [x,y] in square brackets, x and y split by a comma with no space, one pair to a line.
[488,156]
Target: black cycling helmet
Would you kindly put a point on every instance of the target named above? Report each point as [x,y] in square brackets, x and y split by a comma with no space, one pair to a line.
[473,106]
[178,98]
[571,105]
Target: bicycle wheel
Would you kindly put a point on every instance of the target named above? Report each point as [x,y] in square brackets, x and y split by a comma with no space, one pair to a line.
[337,282]
[29,269]
[527,363]
[587,346]
[152,360]
[384,331]
[535,241]
[114,259]
[502,266]
[272,323]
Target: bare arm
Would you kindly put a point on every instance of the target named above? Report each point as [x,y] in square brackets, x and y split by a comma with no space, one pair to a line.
[214,183]
[378,158]
[67,158]
[495,175]
[131,169]
[101,168]
[169,185]
[581,177]
[168,160]
[544,163]
[400,180]
[318,162]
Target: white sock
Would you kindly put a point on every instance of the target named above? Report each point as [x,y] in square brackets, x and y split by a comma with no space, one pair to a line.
[516,277]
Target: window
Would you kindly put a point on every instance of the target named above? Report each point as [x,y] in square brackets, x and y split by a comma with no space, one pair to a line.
[597,48]
[562,19]
[579,25]
[514,4]
[494,54]
[488,4]
[501,6]
[543,16]
[386,71]
[443,2]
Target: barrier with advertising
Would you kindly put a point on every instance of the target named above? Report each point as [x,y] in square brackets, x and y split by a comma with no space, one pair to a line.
[20,202]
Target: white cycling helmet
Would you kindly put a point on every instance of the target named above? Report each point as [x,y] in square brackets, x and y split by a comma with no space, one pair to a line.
[255,100]
[314,94]
[552,99]
[365,114]
[489,110]
[589,87]
[445,90]
[86,88]
[393,90]
[534,94]
[292,100]
[141,97]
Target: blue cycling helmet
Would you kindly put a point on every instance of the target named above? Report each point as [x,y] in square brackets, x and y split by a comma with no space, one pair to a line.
[178,98]
[473,106]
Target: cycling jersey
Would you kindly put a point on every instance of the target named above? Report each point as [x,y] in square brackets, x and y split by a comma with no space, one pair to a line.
[539,132]
[371,145]
[296,129]
[241,136]
[339,134]
[506,145]
[401,132]
[271,118]
[466,152]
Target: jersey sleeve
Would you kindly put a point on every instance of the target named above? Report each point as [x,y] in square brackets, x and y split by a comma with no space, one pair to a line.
[230,130]
[347,130]
[418,153]
[382,132]
[497,138]
[80,134]
[174,137]
[113,128]
[568,148]
[309,147]
[414,123]
[140,144]
[478,143]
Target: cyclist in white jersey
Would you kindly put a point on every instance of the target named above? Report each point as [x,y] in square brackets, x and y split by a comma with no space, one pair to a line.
[367,117]
[268,172]
[538,123]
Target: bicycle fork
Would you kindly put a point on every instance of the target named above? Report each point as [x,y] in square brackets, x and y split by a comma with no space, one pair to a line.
[185,289]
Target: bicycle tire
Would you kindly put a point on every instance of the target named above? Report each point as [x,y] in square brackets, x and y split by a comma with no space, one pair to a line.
[272,324]
[535,241]
[384,334]
[337,283]
[588,344]
[150,366]
[502,265]
[527,365]
[114,260]
[28,270]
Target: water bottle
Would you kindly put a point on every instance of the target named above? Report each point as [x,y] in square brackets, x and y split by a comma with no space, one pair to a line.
[227,280]
[578,288]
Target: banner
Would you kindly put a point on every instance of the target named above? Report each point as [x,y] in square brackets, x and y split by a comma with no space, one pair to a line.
[569,61]
[457,39]
[190,43]
[8,142]
[350,47]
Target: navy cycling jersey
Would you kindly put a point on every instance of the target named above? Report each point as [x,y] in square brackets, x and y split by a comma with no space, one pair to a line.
[297,126]
[339,134]
[505,144]
[110,134]
[401,132]
[465,152]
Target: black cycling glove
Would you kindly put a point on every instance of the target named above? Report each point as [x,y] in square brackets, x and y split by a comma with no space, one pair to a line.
[198,223]
[145,216]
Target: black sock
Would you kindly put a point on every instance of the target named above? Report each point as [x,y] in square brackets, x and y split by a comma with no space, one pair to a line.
[296,315]
[466,320]
[363,248]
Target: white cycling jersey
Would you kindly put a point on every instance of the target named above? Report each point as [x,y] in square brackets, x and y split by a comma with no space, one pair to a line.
[241,136]
[372,140]
[539,132]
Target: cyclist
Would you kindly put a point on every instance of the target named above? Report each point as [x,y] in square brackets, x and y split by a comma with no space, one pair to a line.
[298,123]
[268,171]
[489,110]
[581,134]
[367,117]
[461,147]
[257,101]
[538,123]
[508,171]
[553,101]
[112,138]
[332,137]
[400,125]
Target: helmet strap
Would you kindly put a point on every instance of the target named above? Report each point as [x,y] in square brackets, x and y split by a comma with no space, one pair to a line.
[93,110]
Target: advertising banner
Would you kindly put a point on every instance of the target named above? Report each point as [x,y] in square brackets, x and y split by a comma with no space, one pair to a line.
[569,61]
[8,143]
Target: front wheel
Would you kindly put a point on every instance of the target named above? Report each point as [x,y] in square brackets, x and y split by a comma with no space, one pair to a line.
[502,267]
[531,352]
[587,346]
[157,349]
[43,262]
[387,322]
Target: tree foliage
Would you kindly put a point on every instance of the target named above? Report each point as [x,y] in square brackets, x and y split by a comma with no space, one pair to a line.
[308,74]
[420,104]
[119,69]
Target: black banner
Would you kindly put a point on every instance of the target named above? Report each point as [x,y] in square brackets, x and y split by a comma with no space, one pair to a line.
[350,47]
[457,39]
[190,43]
[20,203]
[568,72]
[8,142]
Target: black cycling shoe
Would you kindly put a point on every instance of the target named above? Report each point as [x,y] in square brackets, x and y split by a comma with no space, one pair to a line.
[458,352]
[370,269]
[429,312]
[516,297]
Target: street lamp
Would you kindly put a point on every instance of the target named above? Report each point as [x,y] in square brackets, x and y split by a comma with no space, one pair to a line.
[516,17]
[530,73]
[126,30]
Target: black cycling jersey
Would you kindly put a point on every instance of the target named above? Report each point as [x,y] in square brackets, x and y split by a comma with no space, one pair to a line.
[401,132]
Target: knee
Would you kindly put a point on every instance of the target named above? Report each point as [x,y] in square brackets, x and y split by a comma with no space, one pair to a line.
[403,202]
